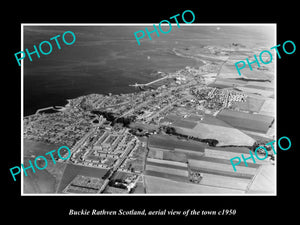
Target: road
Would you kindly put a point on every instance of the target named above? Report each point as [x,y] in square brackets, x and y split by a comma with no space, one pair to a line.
[82,140]
[116,166]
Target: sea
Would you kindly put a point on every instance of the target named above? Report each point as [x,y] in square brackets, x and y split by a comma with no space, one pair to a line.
[107,58]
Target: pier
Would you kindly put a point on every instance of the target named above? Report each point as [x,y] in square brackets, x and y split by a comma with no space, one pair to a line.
[56,108]
[152,82]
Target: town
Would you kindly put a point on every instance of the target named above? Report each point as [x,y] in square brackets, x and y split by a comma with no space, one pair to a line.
[183,127]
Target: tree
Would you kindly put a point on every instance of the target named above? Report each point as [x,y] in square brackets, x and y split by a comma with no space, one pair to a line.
[170,130]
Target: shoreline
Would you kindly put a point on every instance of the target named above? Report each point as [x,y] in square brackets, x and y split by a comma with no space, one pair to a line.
[68,100]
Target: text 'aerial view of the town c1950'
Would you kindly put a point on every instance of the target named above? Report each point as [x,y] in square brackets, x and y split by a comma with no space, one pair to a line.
[160,118]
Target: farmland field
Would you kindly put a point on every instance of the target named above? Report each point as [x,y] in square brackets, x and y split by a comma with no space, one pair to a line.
[222,173]
[219,85]
[229,71]
[236,81]
[224,181]
[255,117]
[228,155]
[246,121]
[251,104]
[184,123]
[225,135]
[166,162]
[139,189]
[259,138]
[257,74]
[194,118]
[231,149]
[268,108]
[43,181]
[160,185]
[38,148]
[175,156]
[221,166]
[208,119]
[178,171]
[263,93]
[155,153]
[171,142]
[225,161]
[259,87]
[192,152]
[265,181]
[179,121]
[166,176]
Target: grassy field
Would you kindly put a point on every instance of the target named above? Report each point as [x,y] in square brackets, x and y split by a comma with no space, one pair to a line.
[268,108]
[246,121]
[179,121]
[225,181]
[171,142]
[175,156]
[155,185]
[209,119]
[235,81]
[229,71]
[259,87]
[154,153]
[178,171]
[222,173]
[168,176]
[246,116]
[38,148]
[225,135]
[139,189]
[166,162]
[220,166]
[227,155]
[42,181]
[225,161]
[263,93]
[167,155]
[265,181]
[251,104]
[220,85]
[260,138]
[238,150]
[184,123]
[194,118]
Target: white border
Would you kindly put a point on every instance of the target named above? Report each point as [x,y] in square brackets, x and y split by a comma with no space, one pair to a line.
[142,24]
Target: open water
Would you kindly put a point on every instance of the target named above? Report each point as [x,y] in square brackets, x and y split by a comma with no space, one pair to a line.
[106,59]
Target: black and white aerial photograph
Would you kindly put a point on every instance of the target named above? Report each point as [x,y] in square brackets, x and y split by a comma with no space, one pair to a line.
[155,113]
[169,115]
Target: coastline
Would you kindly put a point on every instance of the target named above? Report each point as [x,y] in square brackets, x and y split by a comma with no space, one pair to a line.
[156,73]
